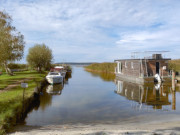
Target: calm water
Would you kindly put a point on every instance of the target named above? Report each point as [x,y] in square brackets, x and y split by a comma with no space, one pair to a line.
[91,98]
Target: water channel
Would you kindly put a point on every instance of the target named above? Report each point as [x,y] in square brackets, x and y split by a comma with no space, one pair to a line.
[94,98]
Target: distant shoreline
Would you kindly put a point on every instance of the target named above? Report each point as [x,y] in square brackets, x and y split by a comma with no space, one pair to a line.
[91,70]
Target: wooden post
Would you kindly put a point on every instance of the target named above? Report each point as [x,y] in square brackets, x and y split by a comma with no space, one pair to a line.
[173,100]
[173,91]
[173,80]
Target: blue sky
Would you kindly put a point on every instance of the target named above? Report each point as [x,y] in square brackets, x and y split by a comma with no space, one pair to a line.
[97,30]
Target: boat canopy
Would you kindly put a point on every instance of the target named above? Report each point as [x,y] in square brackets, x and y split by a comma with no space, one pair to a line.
[61,67]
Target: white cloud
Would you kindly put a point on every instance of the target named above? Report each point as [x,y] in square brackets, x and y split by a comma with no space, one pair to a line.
[155,39]
[99,30]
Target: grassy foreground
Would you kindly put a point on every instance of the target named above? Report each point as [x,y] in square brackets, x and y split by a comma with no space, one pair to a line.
[11,99]
[102,67]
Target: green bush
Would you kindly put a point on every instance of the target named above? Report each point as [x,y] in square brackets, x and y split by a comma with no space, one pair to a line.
[17,66]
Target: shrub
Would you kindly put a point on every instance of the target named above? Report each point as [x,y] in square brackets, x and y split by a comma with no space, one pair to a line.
[17,66]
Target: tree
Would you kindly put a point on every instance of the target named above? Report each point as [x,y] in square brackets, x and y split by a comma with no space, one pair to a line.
[11,42]
[39,56]
[174,65]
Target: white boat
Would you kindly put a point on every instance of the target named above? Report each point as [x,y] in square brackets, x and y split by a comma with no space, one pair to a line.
[54,77]
[61,70]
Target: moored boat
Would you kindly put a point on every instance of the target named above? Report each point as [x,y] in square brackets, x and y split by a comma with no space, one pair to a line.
[54,77]
[59,69]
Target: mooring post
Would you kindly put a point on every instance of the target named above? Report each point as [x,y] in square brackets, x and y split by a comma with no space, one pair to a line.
[173,100]
[173,91]
[173,80]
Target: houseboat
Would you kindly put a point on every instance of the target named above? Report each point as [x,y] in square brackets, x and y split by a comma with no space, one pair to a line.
[144,70]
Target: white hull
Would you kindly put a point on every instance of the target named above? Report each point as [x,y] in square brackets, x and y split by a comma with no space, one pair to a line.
[54,80]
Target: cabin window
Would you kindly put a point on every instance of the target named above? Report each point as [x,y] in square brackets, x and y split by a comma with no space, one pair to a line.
[132,65]
[54,73]
[125,64]
[119,67]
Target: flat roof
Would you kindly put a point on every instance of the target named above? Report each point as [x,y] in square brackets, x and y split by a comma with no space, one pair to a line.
[142,59]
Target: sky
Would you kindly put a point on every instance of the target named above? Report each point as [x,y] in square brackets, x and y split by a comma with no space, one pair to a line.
[97,30]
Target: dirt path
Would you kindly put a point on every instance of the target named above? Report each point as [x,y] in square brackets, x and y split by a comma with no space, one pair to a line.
[9,87]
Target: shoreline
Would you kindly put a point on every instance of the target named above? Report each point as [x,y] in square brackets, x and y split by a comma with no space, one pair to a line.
[137,125]
[140,124]
[102,129]
[20,111]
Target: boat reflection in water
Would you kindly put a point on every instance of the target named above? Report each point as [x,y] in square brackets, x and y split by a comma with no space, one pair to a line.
[49,91]
[155,95]
[55,89]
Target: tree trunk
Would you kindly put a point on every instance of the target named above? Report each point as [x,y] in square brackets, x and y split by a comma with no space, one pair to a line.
[6,67]
[39,69]
[8,71]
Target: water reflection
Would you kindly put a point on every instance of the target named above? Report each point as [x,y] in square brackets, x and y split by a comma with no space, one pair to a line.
[103,76]
[45,99]
[48,92]
[156,95]
[90,98]
[67,77]
[54,89]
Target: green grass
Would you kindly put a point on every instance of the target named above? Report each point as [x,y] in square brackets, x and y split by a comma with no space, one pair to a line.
[11,100]
[102,67]
[6,79]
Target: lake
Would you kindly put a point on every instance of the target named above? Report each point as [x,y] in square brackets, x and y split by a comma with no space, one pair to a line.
[96,98]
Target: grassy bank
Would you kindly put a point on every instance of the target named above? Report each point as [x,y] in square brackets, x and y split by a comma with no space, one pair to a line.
[102,67]
[11,100]
[6,79]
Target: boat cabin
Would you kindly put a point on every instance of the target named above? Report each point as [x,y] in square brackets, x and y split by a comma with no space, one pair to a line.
[57,69]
